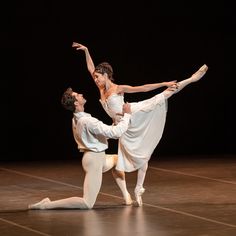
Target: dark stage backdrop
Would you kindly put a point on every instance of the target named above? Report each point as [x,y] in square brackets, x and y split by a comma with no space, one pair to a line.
[145,42]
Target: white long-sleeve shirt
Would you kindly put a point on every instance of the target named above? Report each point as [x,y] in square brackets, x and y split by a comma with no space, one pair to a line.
[92,134]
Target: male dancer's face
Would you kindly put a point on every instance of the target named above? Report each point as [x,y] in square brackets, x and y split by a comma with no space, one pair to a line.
[79,97]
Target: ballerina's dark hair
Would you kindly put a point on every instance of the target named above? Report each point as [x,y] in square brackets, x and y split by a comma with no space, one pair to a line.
[103,68]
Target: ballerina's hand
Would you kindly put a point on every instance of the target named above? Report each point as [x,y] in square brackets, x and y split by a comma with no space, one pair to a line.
[173,88]
[78,46]
[171,83]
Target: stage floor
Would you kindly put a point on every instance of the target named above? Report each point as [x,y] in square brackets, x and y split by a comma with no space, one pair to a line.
[185,196]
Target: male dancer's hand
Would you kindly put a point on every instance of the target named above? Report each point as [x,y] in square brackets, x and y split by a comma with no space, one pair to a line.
[126,108]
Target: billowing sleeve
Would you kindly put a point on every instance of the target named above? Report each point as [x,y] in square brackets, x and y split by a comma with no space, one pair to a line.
[109,131]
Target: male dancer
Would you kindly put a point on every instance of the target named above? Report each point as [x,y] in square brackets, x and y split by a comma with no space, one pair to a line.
[91,136]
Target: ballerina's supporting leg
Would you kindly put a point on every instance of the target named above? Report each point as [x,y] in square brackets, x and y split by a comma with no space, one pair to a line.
[139,189]
[194,78]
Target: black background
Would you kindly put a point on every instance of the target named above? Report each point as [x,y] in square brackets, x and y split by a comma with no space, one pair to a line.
[146,42]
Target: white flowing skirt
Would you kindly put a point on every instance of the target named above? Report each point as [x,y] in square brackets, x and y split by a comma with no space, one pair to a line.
[146,127]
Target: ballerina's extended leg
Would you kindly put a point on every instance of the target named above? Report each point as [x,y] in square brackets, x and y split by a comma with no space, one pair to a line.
[180,85]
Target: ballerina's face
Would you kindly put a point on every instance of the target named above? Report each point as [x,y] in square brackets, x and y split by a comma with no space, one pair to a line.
[100,79]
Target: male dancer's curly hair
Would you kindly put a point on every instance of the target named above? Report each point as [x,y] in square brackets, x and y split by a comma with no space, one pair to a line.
[68,100]
[103,68]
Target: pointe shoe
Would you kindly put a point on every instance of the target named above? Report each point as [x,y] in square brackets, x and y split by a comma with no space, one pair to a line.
[204,68]
[138,195]
[39,205]
[200,73]
[128,200]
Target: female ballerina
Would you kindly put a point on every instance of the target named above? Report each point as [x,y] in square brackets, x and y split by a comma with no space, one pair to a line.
[148,118]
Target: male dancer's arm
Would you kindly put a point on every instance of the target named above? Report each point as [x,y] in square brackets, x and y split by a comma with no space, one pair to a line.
[111,131]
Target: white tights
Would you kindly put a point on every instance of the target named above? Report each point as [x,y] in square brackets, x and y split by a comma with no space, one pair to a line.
[141,177]
[94,165]
[119,176]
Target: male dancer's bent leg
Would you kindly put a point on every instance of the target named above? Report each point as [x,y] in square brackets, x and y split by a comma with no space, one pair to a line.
[92,163]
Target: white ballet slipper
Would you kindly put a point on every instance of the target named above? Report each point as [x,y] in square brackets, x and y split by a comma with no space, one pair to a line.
[39,205]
